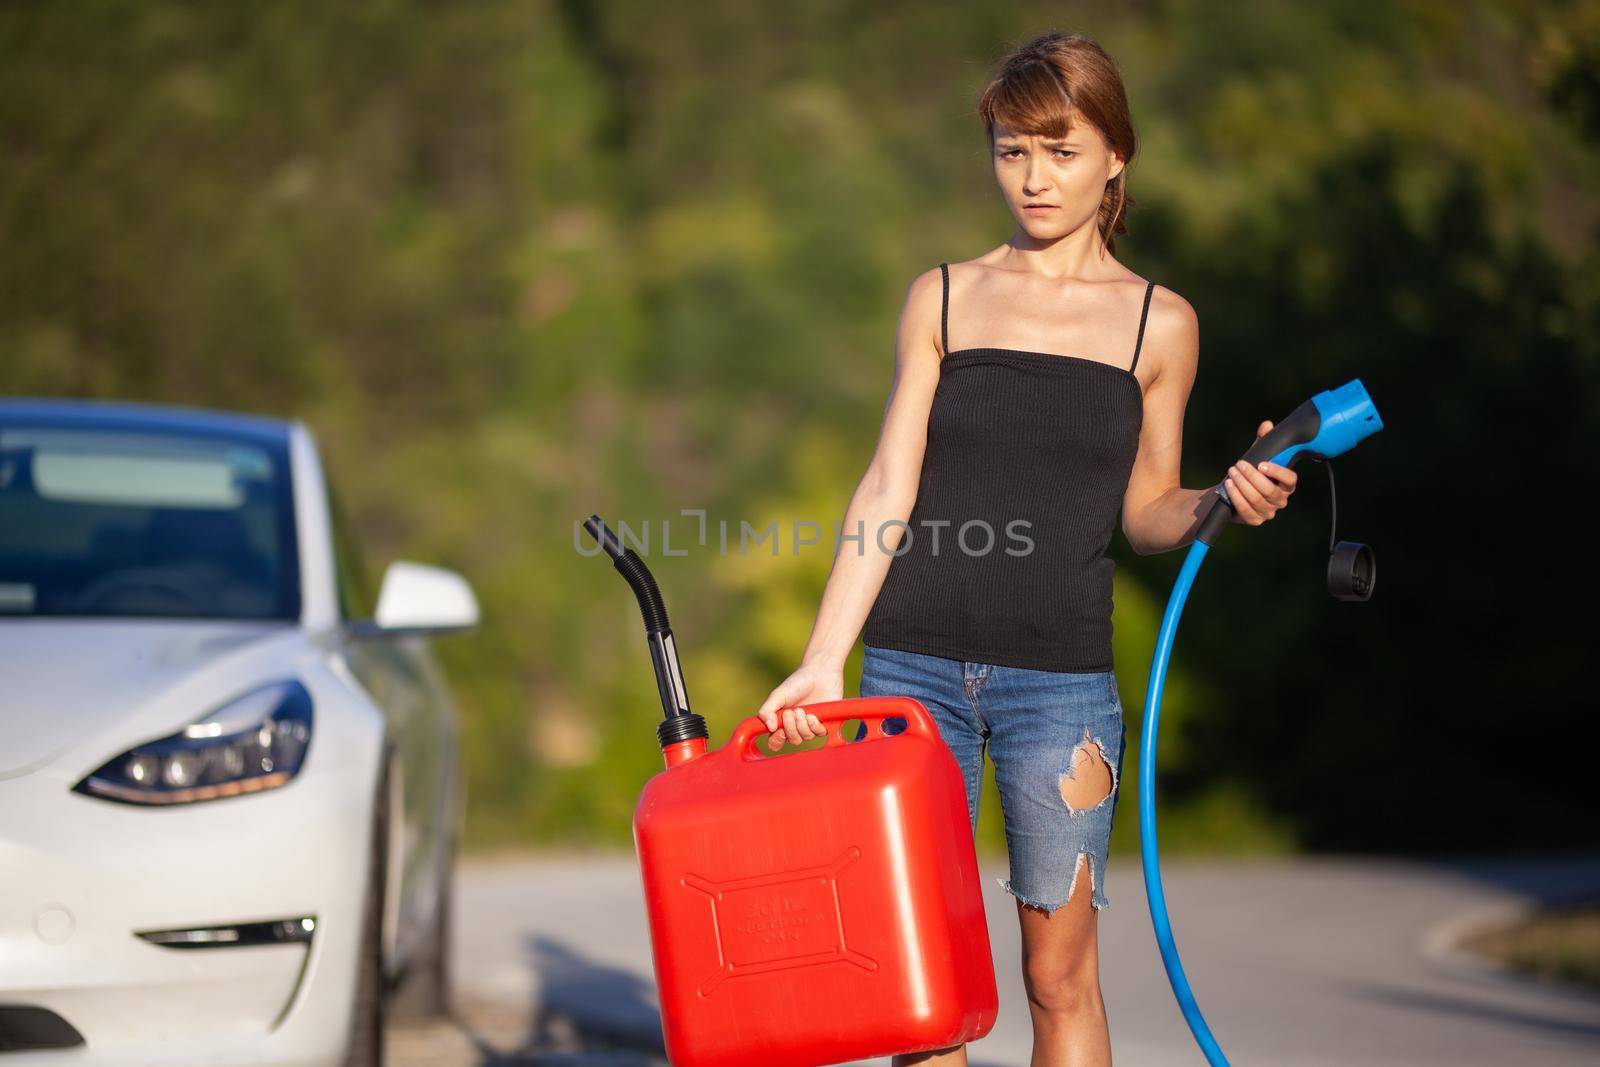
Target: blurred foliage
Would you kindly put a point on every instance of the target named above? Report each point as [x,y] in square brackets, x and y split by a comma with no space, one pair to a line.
[1556,944]
[520,262]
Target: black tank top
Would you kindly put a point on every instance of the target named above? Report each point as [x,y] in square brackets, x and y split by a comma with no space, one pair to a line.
[1028,455]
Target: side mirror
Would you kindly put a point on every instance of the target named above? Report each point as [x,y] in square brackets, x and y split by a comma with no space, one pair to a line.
[421,599]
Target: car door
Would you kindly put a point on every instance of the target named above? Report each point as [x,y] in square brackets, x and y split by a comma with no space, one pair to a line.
[399,672]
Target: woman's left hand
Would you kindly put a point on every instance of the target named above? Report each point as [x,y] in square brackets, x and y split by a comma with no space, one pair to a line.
[1259,491]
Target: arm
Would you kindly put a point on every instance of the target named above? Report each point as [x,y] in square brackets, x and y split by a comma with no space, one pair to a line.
[886,492]
[1158,514]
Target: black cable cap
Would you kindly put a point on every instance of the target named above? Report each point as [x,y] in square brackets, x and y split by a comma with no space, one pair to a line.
[1352,571]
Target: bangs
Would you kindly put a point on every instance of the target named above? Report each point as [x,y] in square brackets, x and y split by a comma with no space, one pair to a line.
[1028,99]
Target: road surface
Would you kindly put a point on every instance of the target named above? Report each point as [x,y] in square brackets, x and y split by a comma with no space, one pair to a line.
[1297,961]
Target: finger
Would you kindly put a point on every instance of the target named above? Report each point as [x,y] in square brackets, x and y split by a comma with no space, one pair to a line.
[1257,478]
[1241,488]
[1241,503]
[802,722]
[768,711]
[1281,480]
[790,727]
[1286,476]
[1242,508]
[816,725]
[1273,492]
[1251,481]
[1265,428]
[775,740]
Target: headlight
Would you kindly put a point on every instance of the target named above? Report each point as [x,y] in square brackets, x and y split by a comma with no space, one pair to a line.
[253,743]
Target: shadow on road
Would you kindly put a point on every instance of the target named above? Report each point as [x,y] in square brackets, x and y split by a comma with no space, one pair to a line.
[1470,1007]
[607,1006]
[600,1006]
[583,1014]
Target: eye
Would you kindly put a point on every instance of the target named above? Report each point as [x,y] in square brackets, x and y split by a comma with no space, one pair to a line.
[1067,152]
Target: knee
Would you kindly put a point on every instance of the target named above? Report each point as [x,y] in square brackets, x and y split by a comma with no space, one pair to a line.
[1063,992]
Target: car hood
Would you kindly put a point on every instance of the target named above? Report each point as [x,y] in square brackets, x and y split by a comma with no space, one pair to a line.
[62,681]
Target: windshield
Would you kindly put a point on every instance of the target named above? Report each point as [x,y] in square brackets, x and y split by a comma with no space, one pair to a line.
[113,523]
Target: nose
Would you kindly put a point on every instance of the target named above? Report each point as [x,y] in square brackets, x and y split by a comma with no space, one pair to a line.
[1033,181]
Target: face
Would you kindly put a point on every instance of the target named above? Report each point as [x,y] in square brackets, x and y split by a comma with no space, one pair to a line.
[1068,175]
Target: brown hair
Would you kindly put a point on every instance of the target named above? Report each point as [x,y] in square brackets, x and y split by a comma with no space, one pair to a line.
[1034,91]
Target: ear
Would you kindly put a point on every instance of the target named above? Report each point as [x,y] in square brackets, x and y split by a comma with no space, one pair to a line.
[1117,164]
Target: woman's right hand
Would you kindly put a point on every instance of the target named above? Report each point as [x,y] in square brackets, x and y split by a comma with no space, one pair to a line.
[783,712]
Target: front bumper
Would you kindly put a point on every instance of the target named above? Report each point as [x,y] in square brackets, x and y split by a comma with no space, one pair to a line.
[82,877]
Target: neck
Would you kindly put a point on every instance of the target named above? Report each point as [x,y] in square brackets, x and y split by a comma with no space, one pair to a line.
[1079,254]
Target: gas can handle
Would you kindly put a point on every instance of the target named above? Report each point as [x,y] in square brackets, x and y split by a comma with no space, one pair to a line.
[892,707]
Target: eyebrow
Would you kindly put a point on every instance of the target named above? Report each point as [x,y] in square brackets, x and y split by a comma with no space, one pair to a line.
[1007,142]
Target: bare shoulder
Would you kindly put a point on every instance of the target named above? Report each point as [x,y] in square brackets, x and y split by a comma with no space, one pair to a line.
[1171,314]
[1172,332]
[920,316]
[929,282]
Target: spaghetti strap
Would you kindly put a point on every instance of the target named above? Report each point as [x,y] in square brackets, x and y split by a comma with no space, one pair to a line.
[1148,289]
[944,311]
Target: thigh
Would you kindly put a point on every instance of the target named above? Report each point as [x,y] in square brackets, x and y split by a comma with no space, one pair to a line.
[937,683]
[1057,741]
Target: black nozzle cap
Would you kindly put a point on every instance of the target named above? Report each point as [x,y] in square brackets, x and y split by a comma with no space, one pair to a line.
[1352,571]
[681,728]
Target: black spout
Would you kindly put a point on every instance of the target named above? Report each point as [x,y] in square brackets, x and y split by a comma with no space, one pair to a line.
[679,723]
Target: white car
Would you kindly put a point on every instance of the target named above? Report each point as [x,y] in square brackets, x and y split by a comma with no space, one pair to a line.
[229,796]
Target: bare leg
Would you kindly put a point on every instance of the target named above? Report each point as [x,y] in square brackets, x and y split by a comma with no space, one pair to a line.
[949,1057]
[1061,949]
[1060,956]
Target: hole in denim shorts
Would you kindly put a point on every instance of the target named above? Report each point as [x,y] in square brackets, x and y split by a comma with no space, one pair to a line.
[1091,779]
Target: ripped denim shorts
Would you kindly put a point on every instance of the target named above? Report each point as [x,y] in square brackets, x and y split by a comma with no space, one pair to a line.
[1034,725]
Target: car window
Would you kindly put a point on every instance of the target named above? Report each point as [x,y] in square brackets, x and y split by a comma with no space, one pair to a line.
[114,523]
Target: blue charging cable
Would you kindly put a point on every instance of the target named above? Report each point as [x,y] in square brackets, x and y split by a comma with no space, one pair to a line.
[1327,425]
[1148,852]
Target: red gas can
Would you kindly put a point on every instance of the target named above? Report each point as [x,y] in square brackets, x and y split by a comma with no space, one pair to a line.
[818,906]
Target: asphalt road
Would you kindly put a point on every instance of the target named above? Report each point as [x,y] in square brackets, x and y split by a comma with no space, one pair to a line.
[1296,962]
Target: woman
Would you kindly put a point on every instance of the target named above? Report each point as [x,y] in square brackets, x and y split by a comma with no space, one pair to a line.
[1037,388]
